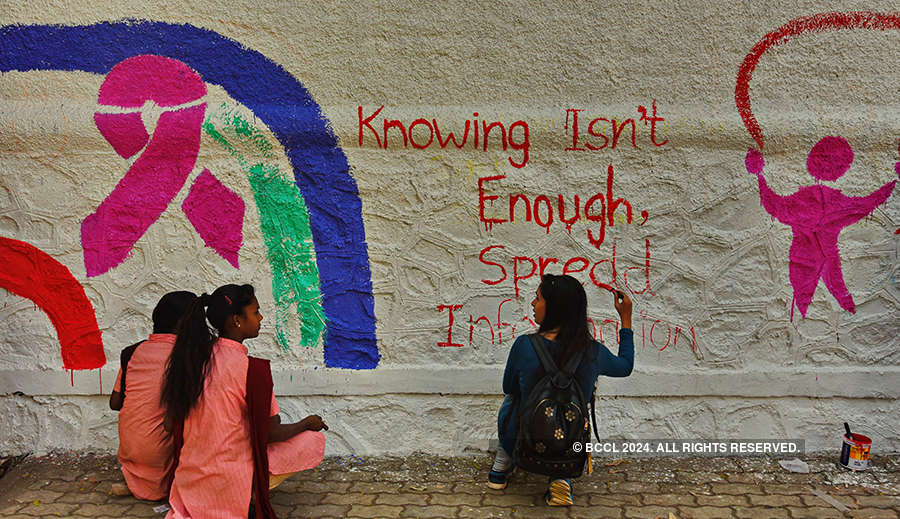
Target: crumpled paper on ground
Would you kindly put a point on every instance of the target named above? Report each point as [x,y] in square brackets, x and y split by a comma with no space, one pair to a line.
[795,465]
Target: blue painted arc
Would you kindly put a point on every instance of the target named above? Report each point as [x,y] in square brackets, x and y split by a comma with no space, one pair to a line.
[284,105]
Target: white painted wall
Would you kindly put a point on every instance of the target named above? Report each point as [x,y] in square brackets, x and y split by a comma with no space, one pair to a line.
[719,263]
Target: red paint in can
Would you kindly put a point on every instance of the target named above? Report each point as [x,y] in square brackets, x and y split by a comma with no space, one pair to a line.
[855,452]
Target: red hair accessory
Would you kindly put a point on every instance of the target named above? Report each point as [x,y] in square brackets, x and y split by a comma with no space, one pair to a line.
[229,300]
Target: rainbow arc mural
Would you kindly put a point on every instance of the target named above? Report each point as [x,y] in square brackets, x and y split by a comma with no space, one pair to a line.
[33,274]
[168,65]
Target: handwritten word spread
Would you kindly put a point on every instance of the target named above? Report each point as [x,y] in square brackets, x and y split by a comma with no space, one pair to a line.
[524,267]
[599,209]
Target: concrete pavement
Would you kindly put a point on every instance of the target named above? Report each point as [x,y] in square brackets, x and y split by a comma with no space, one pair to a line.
[78,485]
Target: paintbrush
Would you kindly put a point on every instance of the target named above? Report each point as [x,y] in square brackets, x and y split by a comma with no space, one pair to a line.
[849,434]
[619,295]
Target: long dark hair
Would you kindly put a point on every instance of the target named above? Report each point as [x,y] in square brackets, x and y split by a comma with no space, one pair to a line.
[565,309]
[189,362]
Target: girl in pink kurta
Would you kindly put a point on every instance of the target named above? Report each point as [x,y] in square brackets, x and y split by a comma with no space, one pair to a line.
[145,448]
[206,387]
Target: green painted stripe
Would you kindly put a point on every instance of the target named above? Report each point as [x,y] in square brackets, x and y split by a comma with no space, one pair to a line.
[284,222]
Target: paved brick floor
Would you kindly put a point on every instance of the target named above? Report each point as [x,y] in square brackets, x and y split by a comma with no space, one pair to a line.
[78,485]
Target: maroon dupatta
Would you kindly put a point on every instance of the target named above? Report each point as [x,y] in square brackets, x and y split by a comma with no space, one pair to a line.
[259,402]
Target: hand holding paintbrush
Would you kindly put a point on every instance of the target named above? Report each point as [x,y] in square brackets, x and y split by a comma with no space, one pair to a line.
[623,306]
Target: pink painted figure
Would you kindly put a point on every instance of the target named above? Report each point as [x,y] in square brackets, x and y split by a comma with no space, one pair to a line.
[817,214]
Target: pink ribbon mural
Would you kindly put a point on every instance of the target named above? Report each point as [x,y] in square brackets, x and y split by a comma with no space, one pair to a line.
[817,214]
[141,84]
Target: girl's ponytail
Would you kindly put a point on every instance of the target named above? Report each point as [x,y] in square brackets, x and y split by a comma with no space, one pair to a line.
[189,362]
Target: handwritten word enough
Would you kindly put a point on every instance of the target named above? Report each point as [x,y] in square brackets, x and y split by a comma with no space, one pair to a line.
[541,209]
[524,267]
[421,134]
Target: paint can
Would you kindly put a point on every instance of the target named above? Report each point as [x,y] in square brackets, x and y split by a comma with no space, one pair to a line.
[855,452]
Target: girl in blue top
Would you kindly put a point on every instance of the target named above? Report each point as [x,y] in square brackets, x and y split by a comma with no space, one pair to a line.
[560,308]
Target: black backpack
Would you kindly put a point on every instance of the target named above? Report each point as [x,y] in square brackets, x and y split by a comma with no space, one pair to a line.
[552,418]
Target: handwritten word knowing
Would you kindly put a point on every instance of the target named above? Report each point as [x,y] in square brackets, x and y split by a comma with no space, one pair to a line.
[524,267]
[424,132]
[421,133]
[599,208]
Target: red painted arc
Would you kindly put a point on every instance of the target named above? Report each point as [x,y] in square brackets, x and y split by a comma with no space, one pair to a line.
[31,273]
[816,23]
